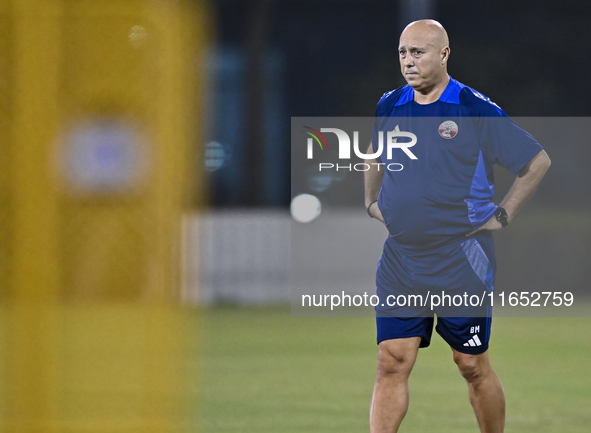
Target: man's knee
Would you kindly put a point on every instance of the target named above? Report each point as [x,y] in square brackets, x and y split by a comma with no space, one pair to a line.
[396,357]
[472,367]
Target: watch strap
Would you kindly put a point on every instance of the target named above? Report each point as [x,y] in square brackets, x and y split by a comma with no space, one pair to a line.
[501,215]
[369,207]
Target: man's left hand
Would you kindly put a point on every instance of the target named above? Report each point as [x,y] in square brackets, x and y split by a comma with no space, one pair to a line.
[491,224]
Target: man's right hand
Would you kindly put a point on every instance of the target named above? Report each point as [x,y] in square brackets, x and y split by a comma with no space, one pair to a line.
[375,212]
[373,182]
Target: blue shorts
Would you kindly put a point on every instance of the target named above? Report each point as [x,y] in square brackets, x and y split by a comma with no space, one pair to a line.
[462,271]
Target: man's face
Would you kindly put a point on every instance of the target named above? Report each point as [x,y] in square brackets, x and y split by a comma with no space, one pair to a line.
[420,59]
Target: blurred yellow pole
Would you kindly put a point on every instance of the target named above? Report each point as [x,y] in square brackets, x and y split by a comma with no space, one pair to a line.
[96,339]
[36,273]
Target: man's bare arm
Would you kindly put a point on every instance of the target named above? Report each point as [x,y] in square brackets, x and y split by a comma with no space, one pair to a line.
[522,189]
[525,184]
[373,183]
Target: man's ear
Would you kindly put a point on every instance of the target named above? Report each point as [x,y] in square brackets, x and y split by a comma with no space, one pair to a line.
[445,55]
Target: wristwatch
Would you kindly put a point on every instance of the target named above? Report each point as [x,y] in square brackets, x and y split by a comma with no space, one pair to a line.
[501,216]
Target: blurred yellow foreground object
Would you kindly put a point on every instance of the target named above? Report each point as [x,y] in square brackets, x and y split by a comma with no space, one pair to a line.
[100,104]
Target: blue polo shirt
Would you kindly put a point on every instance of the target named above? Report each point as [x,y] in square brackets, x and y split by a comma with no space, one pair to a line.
[441,188]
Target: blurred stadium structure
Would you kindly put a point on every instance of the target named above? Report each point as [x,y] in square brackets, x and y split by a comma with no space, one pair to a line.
[237,257]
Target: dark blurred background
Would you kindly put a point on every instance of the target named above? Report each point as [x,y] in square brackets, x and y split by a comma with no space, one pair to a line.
[283,58]
[275,60]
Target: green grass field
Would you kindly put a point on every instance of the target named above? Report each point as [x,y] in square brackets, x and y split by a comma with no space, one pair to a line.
[265,371]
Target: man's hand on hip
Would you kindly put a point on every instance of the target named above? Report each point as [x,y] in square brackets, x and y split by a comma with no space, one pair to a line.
[491,224]
[375,212]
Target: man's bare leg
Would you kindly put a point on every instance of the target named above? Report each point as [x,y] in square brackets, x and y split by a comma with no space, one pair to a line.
[485,390]
[389,402]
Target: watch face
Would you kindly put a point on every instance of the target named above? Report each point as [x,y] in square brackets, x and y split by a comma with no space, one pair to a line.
[501,215]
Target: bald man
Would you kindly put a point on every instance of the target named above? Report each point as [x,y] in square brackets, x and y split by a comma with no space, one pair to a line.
[439,212]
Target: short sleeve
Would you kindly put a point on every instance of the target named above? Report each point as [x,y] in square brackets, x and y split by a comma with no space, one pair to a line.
[506,143]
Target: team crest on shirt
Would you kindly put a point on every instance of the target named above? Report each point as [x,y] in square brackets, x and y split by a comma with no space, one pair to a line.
[448,129]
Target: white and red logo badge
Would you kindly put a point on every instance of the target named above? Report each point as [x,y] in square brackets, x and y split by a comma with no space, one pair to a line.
[448,129]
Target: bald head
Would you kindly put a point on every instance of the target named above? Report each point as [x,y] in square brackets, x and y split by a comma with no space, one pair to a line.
[423,53]
[430,30]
